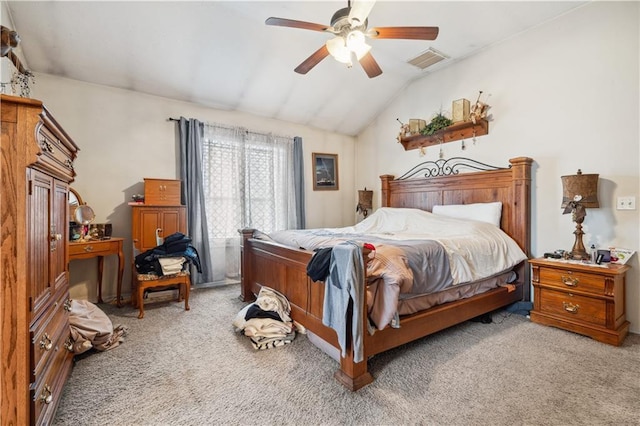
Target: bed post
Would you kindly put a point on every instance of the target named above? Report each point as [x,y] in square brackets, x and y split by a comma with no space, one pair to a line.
[246,275]
[386,194]
[353,375]
[521,214]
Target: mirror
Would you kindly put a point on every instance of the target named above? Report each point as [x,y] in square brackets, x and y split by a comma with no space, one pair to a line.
[74,201]
[80,216]
[83,216]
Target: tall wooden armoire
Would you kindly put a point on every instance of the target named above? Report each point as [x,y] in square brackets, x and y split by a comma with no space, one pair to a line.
[36,167]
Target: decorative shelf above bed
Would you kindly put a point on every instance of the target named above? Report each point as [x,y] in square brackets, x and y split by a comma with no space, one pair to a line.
[455,132]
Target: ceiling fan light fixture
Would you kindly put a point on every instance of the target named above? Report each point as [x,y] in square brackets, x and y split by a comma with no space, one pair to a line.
[337,47]
[356,43]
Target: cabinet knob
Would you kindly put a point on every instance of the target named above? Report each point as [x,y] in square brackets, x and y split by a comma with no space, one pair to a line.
[45,342]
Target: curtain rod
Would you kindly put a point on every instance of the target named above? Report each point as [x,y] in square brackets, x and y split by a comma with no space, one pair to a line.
[227,127]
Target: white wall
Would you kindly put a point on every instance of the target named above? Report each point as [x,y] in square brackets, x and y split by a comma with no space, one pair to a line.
[125,136]
[566,94]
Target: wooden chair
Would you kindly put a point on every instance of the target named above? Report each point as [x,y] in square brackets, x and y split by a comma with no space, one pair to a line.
[147,281]
[142,282]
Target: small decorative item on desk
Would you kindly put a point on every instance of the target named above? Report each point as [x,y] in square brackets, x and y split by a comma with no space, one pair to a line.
[137,199]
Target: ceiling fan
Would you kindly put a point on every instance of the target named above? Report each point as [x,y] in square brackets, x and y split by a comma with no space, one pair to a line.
[349,25]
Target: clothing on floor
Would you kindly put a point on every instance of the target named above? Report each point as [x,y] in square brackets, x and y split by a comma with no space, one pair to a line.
[266,321]
[92,328]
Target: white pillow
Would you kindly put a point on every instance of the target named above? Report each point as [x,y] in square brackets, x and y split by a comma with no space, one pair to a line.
[484,212]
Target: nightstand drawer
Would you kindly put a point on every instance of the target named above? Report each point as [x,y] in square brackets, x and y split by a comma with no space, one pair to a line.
[571,306]
[565,279]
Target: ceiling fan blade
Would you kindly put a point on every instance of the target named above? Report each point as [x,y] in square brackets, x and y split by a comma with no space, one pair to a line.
[292,23]
[370,65]
[410,33]
[360,10]
[312,60]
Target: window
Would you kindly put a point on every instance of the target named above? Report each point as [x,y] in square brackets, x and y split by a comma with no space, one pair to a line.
[248,183]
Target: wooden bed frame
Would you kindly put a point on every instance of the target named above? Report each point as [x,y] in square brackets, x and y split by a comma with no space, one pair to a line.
[284,269]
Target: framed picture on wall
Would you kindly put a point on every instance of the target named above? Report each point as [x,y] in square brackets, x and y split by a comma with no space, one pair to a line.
[325,172]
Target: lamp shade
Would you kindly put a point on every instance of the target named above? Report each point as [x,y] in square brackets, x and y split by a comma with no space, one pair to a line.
[580,188]
[365,199]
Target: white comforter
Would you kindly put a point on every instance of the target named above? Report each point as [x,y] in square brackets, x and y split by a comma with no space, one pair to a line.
[476,250]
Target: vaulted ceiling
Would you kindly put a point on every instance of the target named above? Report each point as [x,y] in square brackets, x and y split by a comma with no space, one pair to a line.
[222,55]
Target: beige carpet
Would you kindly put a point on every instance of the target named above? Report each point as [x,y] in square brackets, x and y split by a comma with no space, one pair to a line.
[190,368]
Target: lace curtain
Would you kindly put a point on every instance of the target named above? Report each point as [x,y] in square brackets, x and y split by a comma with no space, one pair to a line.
[248,182]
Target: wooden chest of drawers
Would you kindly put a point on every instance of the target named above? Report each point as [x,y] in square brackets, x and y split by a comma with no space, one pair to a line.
[585,299]
[161,192]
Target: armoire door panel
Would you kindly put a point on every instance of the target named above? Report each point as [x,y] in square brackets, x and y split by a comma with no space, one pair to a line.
[59,236]
[38,239]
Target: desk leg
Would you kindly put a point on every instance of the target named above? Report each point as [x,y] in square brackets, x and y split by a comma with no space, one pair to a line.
[120,274]
[100,270]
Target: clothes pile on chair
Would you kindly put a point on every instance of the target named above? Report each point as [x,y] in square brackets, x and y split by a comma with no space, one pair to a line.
[266,321]
[169,258]
[92,328]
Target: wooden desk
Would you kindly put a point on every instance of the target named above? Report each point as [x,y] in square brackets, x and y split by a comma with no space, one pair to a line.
[100,249]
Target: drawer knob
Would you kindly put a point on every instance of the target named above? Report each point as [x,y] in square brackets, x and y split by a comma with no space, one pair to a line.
[88,248]
[47,395]
[570,281]
[68,345]
[570,307]
[45,342]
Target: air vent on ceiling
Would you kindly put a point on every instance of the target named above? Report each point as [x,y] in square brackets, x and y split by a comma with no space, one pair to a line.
[427,58]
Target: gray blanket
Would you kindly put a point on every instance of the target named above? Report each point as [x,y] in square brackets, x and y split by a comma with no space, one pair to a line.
[394,269]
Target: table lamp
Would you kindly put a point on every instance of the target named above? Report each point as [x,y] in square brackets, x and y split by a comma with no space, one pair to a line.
[579,192]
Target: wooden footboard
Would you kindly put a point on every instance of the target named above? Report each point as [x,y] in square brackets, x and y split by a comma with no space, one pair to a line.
[283,268]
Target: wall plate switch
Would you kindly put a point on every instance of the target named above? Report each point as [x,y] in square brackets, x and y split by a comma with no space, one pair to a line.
[626,203]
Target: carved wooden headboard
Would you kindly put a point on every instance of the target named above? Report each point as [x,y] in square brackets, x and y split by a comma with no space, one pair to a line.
[442,183]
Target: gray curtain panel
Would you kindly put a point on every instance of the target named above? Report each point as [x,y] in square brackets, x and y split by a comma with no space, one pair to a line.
[191,135]
[298,176]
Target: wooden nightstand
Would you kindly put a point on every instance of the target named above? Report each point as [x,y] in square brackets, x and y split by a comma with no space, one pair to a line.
[585,299]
